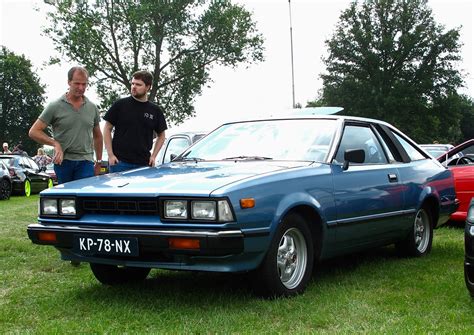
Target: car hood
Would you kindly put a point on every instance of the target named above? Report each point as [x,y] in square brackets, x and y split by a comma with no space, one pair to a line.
[184,178]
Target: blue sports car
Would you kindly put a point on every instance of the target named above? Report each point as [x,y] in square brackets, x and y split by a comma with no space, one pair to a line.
[270,197]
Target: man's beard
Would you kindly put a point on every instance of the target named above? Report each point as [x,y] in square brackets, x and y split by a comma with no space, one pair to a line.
[138,96]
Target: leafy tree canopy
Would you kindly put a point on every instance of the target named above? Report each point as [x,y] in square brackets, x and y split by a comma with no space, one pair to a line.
[389,59]
[21,98]
[178,41]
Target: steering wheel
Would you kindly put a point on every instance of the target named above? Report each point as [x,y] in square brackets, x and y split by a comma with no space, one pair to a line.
[464,160]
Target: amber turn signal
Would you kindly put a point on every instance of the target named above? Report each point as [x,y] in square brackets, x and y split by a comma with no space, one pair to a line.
[183,243]
[247,203]
[47,236]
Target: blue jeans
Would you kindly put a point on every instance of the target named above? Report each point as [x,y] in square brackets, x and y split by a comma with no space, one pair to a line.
[73,170]
[123,166]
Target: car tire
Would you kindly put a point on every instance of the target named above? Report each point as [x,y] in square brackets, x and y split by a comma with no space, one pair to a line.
[115,275]
[419,240]
[287,266]
[5,189]
[27,188]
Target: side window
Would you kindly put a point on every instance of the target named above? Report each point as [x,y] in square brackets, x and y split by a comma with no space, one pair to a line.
[24,163]
[359,137]
[175,146]
[410,149]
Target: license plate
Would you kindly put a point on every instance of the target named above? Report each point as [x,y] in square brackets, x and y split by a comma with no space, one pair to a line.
[105,245]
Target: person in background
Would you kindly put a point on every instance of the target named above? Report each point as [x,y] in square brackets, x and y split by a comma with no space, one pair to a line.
[76,131]
[18,150]
[136,121]
[5,148]
[41,158]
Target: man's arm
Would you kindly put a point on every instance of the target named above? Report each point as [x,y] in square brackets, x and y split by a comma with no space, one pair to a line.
[156,147]
[98,147]
[37,134]
[108,142]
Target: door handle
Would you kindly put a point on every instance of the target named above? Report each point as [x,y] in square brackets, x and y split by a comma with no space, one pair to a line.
[392,177]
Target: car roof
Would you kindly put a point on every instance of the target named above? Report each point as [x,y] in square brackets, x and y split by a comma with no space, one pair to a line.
[436,145]
[13,155]
[306,113]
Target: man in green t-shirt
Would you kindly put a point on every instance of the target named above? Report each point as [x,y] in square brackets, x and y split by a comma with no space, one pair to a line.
[76,131]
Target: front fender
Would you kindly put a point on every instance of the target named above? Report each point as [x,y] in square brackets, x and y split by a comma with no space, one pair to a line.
[292,201]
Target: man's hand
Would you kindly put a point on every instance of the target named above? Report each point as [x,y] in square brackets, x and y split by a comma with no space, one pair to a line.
[58,154]
[113,160]
[151,162]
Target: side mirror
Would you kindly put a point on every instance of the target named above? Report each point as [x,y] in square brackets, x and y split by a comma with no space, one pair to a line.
[353,156]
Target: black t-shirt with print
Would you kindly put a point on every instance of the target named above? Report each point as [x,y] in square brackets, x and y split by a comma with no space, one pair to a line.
[134,122]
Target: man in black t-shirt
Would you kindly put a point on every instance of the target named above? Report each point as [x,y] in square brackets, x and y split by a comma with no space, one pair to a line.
[135,120]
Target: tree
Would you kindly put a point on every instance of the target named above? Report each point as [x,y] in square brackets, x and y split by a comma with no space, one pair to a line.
[466,107]
[178,41]
[21,96]
[388,59]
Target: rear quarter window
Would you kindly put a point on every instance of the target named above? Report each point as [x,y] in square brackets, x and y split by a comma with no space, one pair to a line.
[411,151]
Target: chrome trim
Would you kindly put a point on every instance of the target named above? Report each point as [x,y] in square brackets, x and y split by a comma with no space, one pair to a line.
[371,217]
[187,233]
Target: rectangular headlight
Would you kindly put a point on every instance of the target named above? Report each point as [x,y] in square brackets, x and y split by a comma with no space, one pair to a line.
[48,206]
[176,209]
[203,210]
[67,207]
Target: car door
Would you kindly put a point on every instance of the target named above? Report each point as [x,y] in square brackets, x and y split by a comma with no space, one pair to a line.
[369,195]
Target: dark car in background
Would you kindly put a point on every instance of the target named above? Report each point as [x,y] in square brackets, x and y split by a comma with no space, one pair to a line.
[5,182]
[176,144]
[469,249]
[52,174]
[26,176]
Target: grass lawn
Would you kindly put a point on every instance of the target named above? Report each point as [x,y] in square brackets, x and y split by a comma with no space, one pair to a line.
[370,293]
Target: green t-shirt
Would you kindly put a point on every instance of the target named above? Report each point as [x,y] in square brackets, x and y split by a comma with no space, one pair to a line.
[72,128]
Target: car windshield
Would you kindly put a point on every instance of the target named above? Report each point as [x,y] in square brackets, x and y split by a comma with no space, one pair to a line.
[303,139]
[9,161]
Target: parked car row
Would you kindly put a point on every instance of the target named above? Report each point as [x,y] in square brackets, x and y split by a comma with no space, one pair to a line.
[25,175]
[270,197]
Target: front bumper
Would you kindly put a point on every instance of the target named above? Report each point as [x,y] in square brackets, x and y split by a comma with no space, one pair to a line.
[215,247]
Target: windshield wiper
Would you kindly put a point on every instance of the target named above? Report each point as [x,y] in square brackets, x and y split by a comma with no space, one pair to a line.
[187,159]
[247,158]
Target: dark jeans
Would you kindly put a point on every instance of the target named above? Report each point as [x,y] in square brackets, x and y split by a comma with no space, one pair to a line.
[123,166]
[73,170]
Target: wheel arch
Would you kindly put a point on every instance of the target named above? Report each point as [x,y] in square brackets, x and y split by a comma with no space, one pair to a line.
[314,222]
[431,203]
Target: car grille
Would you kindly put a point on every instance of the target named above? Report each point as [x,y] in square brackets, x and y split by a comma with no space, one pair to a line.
[120,206]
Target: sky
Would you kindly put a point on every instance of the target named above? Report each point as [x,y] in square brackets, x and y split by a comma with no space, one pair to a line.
[249,90]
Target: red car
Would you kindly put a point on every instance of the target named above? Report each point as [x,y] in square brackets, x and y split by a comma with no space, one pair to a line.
[460,160]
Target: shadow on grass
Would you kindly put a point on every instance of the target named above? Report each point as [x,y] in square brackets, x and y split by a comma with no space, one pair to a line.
[203,288]
[344,265]
[176,288]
